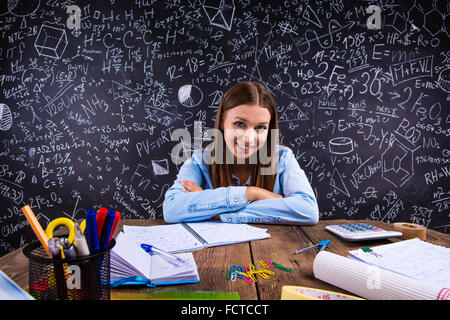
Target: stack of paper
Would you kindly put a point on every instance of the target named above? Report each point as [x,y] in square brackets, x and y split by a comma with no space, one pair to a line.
[413,258]
[406,270]
[130,264]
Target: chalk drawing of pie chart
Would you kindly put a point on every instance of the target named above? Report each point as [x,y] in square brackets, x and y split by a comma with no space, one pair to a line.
[23,8]
[5,117]
[190,95]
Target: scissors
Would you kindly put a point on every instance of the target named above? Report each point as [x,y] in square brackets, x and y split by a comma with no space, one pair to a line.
[64,222]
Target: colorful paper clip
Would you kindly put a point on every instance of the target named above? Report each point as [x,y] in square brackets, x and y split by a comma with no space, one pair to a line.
[250,269]
[281,267]
[249,280]
[368,250]
[268,262]
[240,272]
[248,273]
[235,269]
[262,274]
[263,264]
[271,273]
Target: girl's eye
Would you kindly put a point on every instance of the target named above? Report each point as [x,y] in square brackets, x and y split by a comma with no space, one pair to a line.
[240,124]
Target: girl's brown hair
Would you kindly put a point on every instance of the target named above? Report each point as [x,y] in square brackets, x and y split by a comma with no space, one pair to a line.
[249,93]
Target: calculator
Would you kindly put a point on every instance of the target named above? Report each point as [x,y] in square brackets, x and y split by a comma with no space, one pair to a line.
[361,231]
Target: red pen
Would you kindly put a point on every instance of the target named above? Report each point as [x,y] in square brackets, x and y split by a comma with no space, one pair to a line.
[116,223]
[101,217]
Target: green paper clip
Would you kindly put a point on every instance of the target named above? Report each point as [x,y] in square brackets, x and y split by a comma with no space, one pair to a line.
[368,250]
[281,267]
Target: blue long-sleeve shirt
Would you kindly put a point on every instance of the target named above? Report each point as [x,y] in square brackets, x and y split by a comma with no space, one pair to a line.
[298,205]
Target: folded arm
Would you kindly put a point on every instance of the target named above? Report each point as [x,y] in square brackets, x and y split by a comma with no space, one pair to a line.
[182,206]
[297,206]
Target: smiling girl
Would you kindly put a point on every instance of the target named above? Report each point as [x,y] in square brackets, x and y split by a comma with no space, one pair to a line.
[246,177]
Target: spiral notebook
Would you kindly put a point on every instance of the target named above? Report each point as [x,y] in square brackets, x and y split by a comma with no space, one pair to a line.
[195,235]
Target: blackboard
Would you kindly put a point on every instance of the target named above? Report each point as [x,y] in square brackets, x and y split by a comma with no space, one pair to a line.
[90,97]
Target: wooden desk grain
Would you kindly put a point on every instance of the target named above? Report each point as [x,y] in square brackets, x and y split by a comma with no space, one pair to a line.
[213,262]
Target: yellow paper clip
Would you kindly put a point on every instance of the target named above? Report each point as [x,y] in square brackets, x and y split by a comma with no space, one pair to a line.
[250,274]
[249,270]
[264,264]
[268,272]
[262,274]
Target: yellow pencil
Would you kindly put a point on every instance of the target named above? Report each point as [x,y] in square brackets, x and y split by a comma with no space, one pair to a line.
[36,226]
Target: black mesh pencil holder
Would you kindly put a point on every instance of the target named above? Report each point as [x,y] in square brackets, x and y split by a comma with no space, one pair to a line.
[81,278]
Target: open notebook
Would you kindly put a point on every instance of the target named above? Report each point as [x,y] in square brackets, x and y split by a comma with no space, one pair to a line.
[131,265]
[195,235]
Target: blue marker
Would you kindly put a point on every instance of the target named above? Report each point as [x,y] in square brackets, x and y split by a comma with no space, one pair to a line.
[107,229]
[92,231]
[168,256]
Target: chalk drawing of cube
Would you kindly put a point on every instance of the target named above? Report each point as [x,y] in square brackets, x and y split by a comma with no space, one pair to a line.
[51,41]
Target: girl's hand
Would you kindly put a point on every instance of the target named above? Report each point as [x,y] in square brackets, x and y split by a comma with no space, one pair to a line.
[190,186]
[254,193]
[193,187]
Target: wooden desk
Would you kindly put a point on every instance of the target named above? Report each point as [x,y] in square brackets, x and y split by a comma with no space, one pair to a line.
[213,262]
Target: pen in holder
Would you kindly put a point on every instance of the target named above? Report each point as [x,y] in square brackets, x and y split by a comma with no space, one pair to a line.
[80,278]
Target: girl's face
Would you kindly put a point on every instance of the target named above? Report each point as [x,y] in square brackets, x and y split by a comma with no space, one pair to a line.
[246,128]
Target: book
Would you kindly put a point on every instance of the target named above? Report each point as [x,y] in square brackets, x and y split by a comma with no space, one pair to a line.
[407,270]
[131,265]
[195,235]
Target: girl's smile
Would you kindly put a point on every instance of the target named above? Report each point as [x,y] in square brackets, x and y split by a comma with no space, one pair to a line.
[246,129]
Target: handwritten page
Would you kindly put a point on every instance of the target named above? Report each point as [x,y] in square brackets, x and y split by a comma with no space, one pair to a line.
[219,233]
[170,238]
[414,258]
